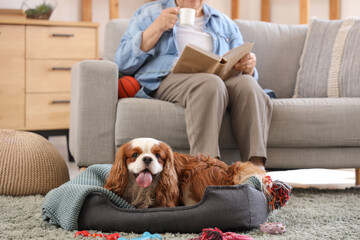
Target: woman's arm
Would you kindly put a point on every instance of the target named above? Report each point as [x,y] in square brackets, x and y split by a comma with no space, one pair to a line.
[138,42]
[164,22]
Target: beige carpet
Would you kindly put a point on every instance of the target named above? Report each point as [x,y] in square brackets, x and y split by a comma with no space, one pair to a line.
[310,214]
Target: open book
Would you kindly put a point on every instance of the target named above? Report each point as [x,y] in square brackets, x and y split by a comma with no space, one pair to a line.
[196,60]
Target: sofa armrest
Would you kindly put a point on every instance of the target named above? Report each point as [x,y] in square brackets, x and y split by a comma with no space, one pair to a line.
[94,98]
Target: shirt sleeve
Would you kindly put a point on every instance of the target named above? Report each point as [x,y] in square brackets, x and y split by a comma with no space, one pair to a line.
[129,57]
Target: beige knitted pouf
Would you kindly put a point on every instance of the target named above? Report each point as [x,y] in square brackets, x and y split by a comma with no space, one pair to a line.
[29,164]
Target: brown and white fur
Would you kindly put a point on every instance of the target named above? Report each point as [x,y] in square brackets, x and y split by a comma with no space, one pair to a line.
[176,179]
[197,172]
[139,157]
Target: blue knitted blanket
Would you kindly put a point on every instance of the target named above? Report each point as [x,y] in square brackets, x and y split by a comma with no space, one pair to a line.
[62,205]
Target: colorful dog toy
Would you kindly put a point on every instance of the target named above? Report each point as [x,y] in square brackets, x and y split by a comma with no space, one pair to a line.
[217,234]
[113,236]
[116,236]
[278,193]
[145,236]
[273,228]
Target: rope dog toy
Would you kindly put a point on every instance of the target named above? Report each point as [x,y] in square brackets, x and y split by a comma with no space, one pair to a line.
[116,236]
[145,236]
[278,193]
[113,236]
[217,234]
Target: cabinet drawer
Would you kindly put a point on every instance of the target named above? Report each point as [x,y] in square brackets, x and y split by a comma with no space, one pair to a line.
[48,75]
[12,76]
[47,111]
[60,42]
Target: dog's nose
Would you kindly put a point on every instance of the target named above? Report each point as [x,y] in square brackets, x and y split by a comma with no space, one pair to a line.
[147,160]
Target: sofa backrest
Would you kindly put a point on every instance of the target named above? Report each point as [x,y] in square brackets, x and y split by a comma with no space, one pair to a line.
[113,33]
[278,48]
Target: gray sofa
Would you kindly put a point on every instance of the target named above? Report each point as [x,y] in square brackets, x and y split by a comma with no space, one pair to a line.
[304,132]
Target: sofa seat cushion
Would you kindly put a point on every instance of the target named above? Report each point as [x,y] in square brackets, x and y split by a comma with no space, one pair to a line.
[296,122]
[315,122]
[164,121]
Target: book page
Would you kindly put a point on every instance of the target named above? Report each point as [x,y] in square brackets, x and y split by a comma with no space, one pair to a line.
[196,60]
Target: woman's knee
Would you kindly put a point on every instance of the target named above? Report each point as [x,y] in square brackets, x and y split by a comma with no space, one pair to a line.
[210,84]
[244,83]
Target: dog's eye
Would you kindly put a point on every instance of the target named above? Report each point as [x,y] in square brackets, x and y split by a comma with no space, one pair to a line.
[157,155]
[135,155]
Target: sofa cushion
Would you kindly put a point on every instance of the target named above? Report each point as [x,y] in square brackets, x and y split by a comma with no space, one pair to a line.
[307,122]
[278,48]
[315,122]
[164,121]
[113,34]
[329,66]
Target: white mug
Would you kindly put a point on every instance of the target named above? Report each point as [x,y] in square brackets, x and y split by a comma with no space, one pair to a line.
[187,16]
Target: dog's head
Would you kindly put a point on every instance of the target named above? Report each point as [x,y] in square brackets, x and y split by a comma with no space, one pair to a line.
[149,162]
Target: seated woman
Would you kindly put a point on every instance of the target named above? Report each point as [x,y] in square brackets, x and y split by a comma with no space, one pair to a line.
[150,48]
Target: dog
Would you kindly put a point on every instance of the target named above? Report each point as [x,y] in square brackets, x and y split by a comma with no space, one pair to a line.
[197,172]
[144,174]
[147,173]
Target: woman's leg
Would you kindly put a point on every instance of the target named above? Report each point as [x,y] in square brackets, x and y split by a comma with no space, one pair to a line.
[251,112]
[205,98]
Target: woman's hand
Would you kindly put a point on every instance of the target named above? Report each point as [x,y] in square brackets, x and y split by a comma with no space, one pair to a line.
[246,64]
[165,21]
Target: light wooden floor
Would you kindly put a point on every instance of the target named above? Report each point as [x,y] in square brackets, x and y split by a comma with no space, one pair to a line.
[317,178]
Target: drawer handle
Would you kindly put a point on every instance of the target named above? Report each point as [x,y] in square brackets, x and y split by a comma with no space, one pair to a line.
[61,68]
[60,101]
[62,35]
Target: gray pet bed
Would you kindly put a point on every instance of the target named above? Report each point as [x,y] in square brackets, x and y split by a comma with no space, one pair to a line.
[228,208]
[83,204]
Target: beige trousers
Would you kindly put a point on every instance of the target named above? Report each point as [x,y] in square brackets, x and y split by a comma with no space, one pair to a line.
[206,97]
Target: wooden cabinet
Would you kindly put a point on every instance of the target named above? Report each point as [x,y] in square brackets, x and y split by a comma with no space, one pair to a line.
[47,110]
[60,42]
[35,78]
[12,75]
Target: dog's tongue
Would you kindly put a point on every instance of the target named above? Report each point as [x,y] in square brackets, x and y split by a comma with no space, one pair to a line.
[144,179]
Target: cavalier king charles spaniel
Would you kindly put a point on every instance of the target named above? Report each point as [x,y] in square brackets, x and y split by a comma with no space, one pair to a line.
[147,173]
[144,174]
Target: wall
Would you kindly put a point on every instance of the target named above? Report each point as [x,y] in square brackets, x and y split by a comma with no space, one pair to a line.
[282,11]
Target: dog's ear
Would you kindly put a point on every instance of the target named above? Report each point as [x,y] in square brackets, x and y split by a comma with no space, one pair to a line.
[167,190]
[118,177]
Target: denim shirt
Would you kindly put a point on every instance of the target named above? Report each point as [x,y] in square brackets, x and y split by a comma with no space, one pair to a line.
[149,68]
